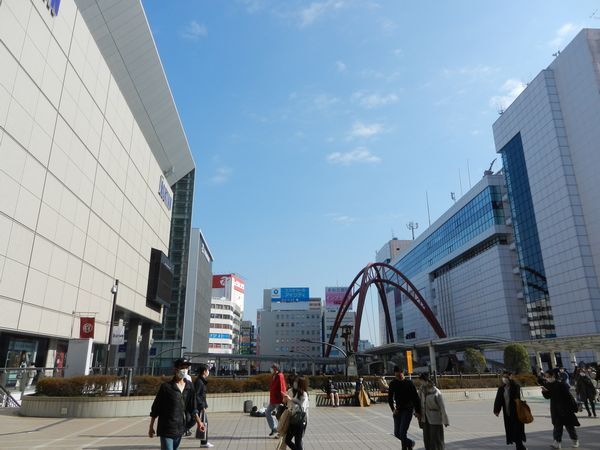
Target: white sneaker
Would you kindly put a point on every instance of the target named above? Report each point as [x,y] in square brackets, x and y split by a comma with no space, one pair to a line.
[576,443]
[207,445]
[555,444]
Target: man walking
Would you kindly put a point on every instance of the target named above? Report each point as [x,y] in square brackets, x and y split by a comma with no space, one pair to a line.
[276,391]
[200,386]
[403,400]
[174,403]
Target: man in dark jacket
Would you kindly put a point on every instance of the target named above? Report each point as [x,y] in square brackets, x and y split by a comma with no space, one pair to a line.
[562,407]
[200,386]
[505,401]
[403,399]
[174,405]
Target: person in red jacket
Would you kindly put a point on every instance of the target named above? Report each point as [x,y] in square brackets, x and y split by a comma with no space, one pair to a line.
[276,391]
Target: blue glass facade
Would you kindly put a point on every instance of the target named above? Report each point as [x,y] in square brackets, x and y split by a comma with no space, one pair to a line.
[535,289]
[480,214]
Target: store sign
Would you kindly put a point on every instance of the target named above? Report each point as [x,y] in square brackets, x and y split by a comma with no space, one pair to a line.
[118,335]
[165,195]
[289,295]
[334,297]
[53,6]
[86,327]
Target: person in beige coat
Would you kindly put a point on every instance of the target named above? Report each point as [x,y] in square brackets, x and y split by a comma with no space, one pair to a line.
[433,414]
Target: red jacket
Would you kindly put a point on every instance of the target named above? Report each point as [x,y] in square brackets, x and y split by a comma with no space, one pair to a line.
[277,387]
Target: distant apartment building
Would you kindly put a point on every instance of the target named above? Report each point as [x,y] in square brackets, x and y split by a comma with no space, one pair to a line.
[288,319]
[333,300]
[198,295]
[549,140]
[227,309]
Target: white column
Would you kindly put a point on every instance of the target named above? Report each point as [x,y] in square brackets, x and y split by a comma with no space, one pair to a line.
[573,358]
[432,356]
[538,360]
[553,363]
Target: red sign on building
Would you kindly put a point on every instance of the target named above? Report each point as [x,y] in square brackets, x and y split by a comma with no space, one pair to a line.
[86,327]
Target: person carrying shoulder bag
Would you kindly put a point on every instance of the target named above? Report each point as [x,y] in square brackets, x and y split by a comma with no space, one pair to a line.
[297,403]
[433,414]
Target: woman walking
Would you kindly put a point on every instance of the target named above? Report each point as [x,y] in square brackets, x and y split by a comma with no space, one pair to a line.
[562,408]
[433,414]
[297,404]
[507,393]
[586,390]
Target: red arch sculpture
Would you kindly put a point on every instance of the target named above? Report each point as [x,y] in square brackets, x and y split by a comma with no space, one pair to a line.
[380,274]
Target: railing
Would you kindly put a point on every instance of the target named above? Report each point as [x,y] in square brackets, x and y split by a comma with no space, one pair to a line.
[7,400]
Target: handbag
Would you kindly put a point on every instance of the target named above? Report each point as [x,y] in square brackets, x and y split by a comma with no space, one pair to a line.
[298,416]
[202,435]
[279,411]
[284,422]
[523,411]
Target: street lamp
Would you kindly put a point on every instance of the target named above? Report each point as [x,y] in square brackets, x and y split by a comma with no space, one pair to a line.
[114,290]
[340,349]
[165,351]
[311,358]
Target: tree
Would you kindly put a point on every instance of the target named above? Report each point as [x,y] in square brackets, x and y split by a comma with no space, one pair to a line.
[474,360]
[516,358]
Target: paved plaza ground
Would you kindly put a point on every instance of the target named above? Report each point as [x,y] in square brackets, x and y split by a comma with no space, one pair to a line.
[473,426]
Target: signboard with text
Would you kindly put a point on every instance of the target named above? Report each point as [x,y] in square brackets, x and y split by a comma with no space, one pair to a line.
[334,296]
[86,327]
[118,335]
[290,295]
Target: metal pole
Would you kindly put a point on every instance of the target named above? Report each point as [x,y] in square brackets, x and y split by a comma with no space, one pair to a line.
[115,290]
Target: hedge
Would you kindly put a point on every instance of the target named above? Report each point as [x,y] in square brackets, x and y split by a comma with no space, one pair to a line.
[99,385]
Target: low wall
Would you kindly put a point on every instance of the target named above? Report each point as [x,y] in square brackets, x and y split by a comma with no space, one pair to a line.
[34,406]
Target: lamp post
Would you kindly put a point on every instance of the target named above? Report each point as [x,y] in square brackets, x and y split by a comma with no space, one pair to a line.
[165,351]
[312,359]
[114,290]
[340,349]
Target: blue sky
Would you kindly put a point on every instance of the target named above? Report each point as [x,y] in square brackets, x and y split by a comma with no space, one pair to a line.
[318,127]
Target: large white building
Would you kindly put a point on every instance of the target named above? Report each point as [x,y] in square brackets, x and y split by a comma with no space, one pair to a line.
[90,141]
[549,139]
[227,310]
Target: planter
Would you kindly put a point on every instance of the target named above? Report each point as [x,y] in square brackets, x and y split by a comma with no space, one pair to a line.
[34,406]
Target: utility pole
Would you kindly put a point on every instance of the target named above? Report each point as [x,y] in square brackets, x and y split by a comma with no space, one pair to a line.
[412,226]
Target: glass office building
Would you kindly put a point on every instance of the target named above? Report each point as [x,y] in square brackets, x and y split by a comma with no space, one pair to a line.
[463,266]
[548,139]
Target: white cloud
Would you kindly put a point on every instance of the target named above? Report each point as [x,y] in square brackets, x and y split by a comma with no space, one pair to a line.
[316,10]
[373,100]
[253,6]
[510,90]
[324,101]
[473,72]
[194,31]
[363,130]
[561,35]
[222,175]
[342,219]
[397,52]
[359,155]
[340,66]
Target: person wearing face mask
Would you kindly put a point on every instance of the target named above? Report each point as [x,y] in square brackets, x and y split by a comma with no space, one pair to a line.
[276,391]
[173,404]
[562,408]
[433,414]
[200,387]
[507,393]
[296,400]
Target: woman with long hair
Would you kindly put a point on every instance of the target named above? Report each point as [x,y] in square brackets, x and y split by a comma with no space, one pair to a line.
[297,404]
[508,392]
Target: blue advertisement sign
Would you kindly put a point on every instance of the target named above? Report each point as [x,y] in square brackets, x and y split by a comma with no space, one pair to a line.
[219,336]
[289,295]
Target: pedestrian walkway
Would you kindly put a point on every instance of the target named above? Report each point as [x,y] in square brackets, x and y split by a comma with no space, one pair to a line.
[473,427]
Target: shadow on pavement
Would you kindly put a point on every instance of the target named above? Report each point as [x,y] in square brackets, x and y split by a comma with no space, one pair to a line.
[589,438]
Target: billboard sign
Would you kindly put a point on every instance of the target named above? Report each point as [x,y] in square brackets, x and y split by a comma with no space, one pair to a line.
[289,295]
[334,296]
[220,282]
[86,327]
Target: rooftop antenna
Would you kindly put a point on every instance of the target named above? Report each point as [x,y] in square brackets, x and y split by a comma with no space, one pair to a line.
[556,54]
[428,213]
[453,196]
[412,226]
[460,182]
[490,171]
[594,16]
[469,174]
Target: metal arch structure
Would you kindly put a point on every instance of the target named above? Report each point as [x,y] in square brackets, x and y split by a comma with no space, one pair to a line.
[380,275]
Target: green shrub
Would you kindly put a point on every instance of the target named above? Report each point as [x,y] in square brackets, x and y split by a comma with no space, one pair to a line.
[92,385]
[516,359]
[475,361]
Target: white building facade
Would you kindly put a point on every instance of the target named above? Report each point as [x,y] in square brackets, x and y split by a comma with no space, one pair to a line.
[227,309]
[548,139]
[85,168]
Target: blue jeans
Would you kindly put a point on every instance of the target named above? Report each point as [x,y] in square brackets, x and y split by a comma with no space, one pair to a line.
[271,420]
[169,442]
[401,424]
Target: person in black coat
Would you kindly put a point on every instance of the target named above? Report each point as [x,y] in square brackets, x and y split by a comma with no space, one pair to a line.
[562,408]
[200,386]
[507,393]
